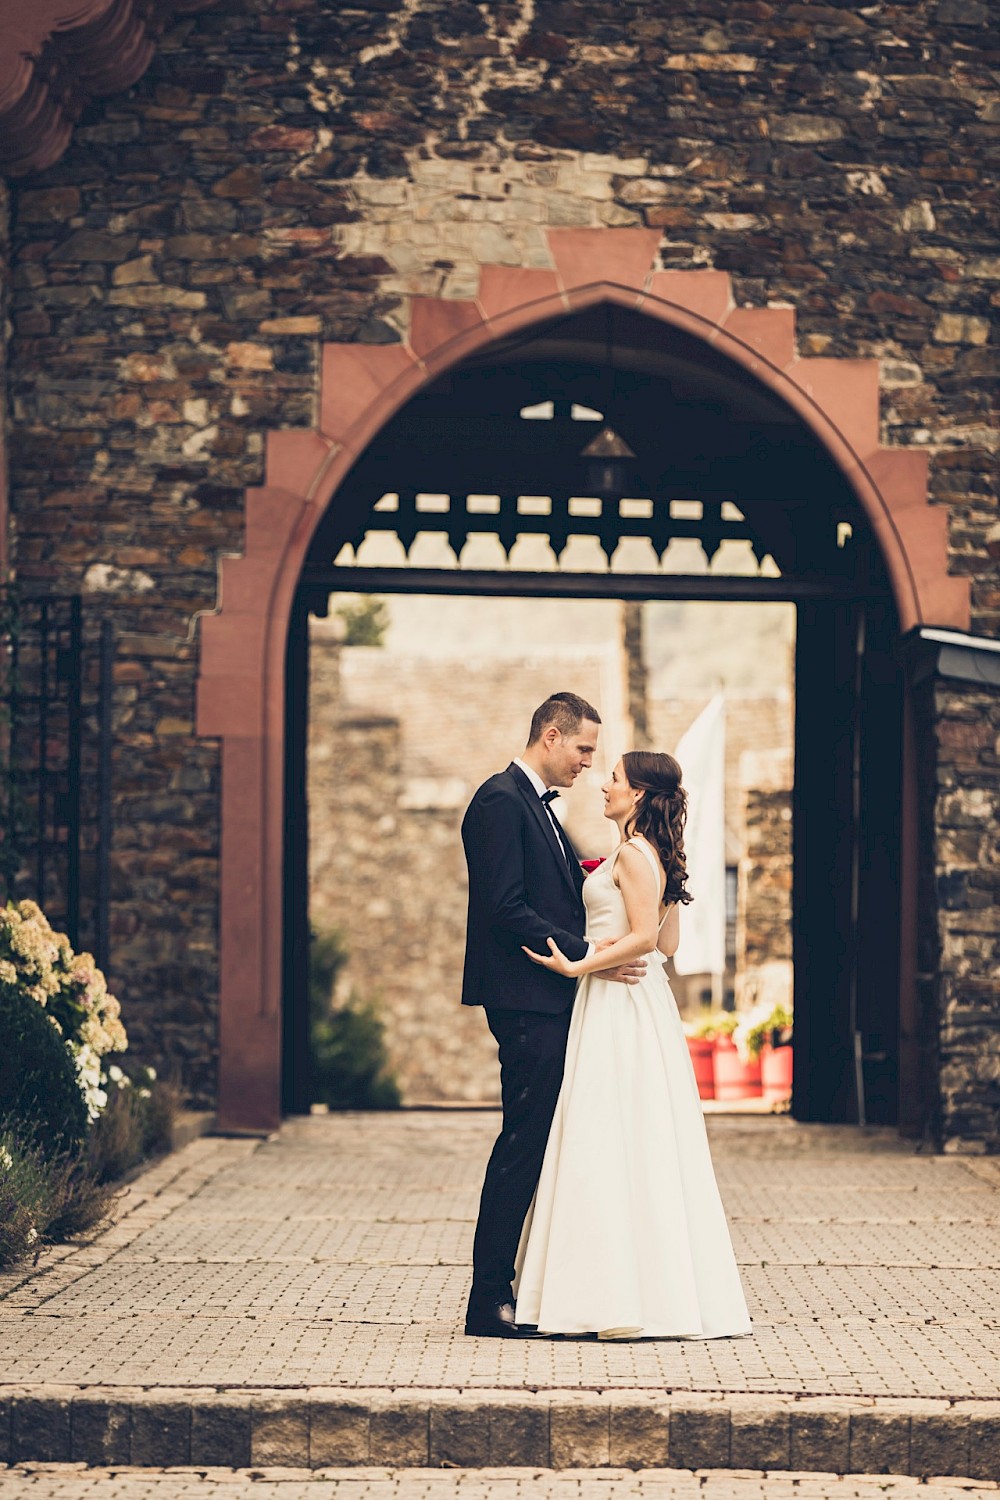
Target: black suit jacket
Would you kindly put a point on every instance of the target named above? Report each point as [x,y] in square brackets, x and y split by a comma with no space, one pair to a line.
[521,891]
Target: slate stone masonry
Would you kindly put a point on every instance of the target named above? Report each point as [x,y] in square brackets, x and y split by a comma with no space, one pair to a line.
[288,172]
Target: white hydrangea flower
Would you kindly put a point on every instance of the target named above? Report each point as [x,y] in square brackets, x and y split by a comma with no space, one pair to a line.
[6,1160]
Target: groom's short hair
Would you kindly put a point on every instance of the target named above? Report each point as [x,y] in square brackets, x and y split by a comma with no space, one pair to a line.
[566,711]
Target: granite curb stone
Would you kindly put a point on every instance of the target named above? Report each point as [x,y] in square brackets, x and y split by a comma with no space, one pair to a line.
[313,1428]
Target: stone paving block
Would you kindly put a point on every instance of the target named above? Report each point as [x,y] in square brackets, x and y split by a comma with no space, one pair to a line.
[699,1435]
[459,1433]
[400,1432]
[279,1429]
[40,1427]
[759,1436]
[101,1427]
[820,1436]
[880,1442]
[640,1431]
[519,1434]
[220,1430]
[161,1428]
[579,1431]
[338,1429]
[939,1444]
[984,1440]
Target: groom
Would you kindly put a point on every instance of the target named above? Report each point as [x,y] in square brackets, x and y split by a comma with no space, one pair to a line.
[525,886]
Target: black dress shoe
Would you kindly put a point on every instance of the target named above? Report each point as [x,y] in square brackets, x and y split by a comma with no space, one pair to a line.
[494,1321]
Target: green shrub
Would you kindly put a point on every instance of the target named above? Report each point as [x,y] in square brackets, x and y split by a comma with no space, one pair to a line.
[79,1203]
[45,1198]
[40,965]
[366,621]
[114,1145]
[349,1059]
[160,1114]
[40,1093]
[137,1122]
[18,1235]
[23,1199]
[69,1124]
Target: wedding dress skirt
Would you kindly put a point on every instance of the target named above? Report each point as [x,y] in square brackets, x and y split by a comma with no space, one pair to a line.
[627,1236]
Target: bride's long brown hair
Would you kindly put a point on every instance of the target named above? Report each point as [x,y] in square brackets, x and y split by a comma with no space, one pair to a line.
[660,815]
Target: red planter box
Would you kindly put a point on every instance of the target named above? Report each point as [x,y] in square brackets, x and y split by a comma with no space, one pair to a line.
[734,1079]
[702,1050]
[776,1073]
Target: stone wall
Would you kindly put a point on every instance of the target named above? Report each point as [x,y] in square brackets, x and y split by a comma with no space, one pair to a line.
[464,720]
[753,725]
[4,331]
[391,878]
[961,953]
[397,746]
[764,901]
[284,174]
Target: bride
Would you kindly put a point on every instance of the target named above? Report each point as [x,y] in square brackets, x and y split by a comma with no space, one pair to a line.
[627,1236]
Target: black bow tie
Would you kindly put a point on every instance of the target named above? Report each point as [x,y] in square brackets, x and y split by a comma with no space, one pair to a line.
[549,796]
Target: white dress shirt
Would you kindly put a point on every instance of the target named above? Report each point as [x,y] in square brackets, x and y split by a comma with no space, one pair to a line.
[541,789]
[539,786]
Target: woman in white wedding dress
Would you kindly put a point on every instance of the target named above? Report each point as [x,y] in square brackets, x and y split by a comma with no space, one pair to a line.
[627,1236]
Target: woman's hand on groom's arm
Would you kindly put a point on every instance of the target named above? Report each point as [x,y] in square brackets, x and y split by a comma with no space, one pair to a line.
[496,872]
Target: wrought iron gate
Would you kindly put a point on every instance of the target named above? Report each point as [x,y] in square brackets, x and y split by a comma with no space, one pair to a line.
[55,687]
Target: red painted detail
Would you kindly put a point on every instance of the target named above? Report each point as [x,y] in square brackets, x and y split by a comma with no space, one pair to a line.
[58,55]
[734,1078]
[702,1049]
[776,1073]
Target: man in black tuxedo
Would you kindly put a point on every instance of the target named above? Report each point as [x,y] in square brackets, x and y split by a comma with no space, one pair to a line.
[525,886]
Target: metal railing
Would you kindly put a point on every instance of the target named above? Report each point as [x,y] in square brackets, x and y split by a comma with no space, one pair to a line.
[55,762]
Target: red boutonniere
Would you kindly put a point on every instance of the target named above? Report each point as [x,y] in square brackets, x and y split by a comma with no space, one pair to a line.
[590,865]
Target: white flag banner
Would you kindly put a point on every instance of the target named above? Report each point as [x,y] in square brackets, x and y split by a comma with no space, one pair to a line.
[701,752]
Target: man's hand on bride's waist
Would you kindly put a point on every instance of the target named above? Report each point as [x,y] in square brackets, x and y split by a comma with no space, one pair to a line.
[558,963]
[629,973]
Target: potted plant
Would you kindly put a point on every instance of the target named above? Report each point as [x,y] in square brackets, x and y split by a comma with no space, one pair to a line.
[762,1040]
[776,1056]
[737,1071]
[702,1037]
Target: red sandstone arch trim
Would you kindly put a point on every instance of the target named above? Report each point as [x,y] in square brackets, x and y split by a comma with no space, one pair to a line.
[241,686]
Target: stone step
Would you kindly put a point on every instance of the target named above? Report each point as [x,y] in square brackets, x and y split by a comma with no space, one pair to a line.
[74,1482]
[319,1427]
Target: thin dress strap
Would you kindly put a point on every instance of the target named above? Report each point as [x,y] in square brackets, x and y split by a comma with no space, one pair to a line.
[657,869]
[654,863]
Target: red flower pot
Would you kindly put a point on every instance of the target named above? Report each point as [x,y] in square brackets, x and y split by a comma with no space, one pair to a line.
[701,1049]
[776,1073]
[734,1079]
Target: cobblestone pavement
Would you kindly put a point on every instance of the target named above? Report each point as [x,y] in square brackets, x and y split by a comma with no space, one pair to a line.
[337,1255]
[73,1482]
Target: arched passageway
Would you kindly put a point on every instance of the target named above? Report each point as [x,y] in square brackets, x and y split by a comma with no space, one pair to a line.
[728,497]
[801,437]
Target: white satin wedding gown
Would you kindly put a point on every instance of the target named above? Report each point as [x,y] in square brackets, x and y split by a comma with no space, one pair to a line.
[627,1236]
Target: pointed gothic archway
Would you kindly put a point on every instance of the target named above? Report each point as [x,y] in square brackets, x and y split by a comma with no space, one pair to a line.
[243,658]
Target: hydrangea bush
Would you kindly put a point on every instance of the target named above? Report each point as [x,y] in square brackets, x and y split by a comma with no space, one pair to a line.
[41,964]
[72,1122]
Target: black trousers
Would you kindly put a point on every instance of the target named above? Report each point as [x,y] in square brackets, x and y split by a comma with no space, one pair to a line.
[532,1057]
